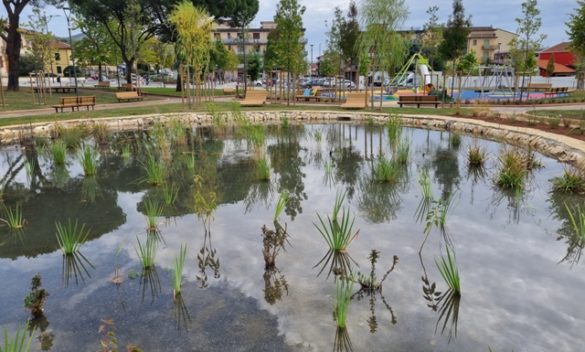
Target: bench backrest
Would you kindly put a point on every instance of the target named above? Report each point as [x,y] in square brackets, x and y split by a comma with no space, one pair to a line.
[539,86]
[126,95]
[355,96]
[104,84]
[407,98]
[86,100]
[69,101]
[255,95]
[432,98]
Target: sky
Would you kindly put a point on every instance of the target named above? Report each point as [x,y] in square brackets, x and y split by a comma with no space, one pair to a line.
[497,13]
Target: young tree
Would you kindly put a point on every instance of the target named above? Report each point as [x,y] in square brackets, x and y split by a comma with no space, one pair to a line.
[432,38]
[40,38]
[193,26]
[11,34]
[242,12]
[96,47]
[529,40]
[254,66]
[576,33]
[287,49]
[349,36]
[379,41]
[550,65]
[455,34]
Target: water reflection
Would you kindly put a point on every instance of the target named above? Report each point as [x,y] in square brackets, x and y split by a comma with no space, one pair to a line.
[181,313]
[207,259]
[574,241]
[342,341]
[75,266]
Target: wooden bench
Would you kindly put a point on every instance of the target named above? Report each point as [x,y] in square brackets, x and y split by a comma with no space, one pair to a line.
[128,96]
[75,102]
[103,84]
[254,98]
[355,100]
[128,87]
[418,100]
[304,97]
[57,89]
[229,91]
[539,87]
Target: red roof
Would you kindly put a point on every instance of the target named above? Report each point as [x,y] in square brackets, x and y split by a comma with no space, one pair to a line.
[542,64]
[559,48]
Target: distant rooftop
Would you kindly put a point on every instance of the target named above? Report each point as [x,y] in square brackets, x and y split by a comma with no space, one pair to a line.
[561,47]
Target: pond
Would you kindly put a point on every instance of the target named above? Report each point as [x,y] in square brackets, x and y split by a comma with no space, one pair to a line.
[519,268]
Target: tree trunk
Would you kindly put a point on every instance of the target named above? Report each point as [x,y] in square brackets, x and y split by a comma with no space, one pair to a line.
[129,64]
[13,45]
[245,61]
[100,71]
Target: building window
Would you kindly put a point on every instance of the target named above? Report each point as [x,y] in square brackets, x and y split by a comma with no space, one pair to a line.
[475,42]
[256,36]
[59,70]
[217,36]
[229,36]
[57,57]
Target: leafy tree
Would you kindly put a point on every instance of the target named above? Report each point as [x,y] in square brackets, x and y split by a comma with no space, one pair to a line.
[529,40]
[287,48]
[349,36]
[380,41]
[550,65]
[328,64]
[29,63]
[40,38]
[242,12]
[432,38]
[576,33]
[96,47]
[10,32]
[455,34]
[254,66]
[222,59]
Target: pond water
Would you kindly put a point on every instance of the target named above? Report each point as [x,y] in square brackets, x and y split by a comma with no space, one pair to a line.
[521,280]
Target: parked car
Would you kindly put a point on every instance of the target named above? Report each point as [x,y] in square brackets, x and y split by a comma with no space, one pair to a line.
[68,71]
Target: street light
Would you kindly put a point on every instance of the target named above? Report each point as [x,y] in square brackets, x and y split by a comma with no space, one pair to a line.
[311,70]
[68,16]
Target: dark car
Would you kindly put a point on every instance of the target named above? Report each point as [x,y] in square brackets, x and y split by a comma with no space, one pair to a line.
[68,71]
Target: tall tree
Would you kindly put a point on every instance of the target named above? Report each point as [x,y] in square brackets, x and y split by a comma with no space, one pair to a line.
[40,38]
[96,47]
[576,33]
[11,34]
[349,36]
[254,66]
[242,12]
[432,38]
[529,39]
[288,47]
[455,34]
[380,41]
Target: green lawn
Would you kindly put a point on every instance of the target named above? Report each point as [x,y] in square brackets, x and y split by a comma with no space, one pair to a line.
[23,99]
[566,114]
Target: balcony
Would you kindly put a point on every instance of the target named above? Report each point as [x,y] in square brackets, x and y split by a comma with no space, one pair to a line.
[489,47]
[248,41]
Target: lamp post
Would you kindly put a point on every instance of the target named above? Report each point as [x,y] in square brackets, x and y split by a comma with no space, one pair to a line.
[68,16]
[311,65]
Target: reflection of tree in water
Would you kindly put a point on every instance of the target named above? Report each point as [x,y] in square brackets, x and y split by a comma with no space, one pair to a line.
[446,165]
[575,243]
[379,202]
[45,337]
[515,201]
[207,259]
[274,281]
[287,164]
[347,163]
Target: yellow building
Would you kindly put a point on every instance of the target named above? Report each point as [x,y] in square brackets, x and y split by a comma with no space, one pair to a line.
[490,45]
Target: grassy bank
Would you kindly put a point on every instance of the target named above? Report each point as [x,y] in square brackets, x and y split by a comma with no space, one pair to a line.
[563,114]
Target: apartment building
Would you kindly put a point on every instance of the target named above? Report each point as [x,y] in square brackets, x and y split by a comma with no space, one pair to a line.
[255,41]
[490,45]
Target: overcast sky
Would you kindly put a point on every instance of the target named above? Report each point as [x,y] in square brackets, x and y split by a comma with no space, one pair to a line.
[497,13]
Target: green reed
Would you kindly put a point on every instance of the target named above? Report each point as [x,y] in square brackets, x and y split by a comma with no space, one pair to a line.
[262,170]
[179,264]
[572,181]
[152,210]
[13,217]
[476,156]
[512,170]
[424,180]
[386,170]
[155,170]
[577,221]
[318,135]
[338,233]
[18,342]
[146,253]
[448,268]
[170,193]
[343,293]
[59,152]
[88,158]
[394,127]
[280,204]
[403,152]
[70,236]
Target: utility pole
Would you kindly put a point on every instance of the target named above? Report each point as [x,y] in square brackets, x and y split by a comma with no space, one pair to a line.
[68,16]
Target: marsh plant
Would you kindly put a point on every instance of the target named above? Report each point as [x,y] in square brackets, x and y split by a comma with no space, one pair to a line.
[424,181]
[370,282]
[336,231]
[512,171]
[343,293]
[394,128]
[146,252]
[318,135]
[273,242]
[152,211]
[71,136]
[178,130]
[403,152]
[59,152]
[437,216]
[70,236]
[262,170]
[170,193]
[476,156]
[256,135]
[29,168]
[449,271]
[280,204]
[18,342]
[155,170]
[179,264]
[577,221]
[35,300]
[454,140]
[205,200]
[100,133]
[387,170]
[13,217]
[88,158]
[572,182]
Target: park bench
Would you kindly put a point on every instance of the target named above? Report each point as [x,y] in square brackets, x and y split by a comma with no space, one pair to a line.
[539,87]
[128,96]
[229,91]
[355,100]
[128,87]
[56,89]
[75,102]
[254,98]
[103,84]
[418,100]
[309,96]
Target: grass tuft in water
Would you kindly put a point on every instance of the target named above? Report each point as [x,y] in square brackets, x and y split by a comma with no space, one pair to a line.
[403,152]
[572,181]
[318,136]
[343,292]
[146,253]
[577,221]
[386,170]
[338,233]
[454,140]
[394,127]
[177,276]
[155,172]
[13,217]
[70,236]
[448,268]
[170,193]
[100,132]
[280,204]
[59,152]
[72,136]
[88,158]
[476,156]
[424,180]
[152,210]
[512,170]
[262,170]
[18,342]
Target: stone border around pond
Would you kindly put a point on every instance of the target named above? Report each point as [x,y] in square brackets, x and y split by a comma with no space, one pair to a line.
[562,148]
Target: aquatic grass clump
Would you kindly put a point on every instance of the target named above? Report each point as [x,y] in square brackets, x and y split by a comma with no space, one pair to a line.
[152,210]
[387,170]
[454,140]
[448,268]
[88,158]
[318,136]
[72,136]
[343,293]
[512,170]
[577,221]
[476,156]
[155,171]
[256,135]
[394,127]
[100,132]
[70,236]
[13,217]
[18,342]
[403,152]
[572,181]
[262,170]
[177,276]
[280,204]
[338,233]
[424,180]
[146,253]
[59,152]
[170,193]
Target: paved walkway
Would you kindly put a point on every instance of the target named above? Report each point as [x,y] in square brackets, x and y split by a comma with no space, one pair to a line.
[509,110]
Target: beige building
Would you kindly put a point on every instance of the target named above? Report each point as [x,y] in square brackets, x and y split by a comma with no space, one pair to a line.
[256,38]
[489,44]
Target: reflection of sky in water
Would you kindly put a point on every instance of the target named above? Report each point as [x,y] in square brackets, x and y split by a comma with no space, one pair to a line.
[516,294]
